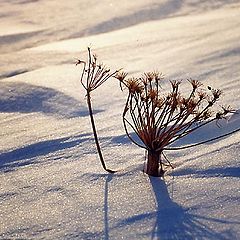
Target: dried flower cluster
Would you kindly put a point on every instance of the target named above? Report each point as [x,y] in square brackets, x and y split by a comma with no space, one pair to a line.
[160,119]
[94,74]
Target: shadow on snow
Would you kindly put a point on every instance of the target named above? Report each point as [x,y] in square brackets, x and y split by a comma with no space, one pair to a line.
[213,172]
[170,220]
[27,98]
[173,222]
[25,155]
[176,222]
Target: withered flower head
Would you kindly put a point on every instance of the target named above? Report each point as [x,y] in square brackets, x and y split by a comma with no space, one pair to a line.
[183,101]
[158,76]
[152,94]
[160,102]
[149,76]
[191,104]
[93,73]
[175,83]
[134,85]
[121,75]
[202,95]
[195,83]
[216,93]
[175,99]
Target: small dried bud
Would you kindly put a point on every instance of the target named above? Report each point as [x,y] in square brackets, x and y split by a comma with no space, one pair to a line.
[152,94]
[219,115]
[94,57]
[107,71]
[100,66]
[175,83]
[202,95]
[134,85]
[216,93]
[210,103]
[120,76]
[195,83]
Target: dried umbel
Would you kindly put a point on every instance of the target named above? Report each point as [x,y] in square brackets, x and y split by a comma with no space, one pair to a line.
[93,76]
[160,119]
[93,73]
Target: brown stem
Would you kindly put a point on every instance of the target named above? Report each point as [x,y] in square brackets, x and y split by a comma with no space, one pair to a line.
[153,162]
[199,143]
[95,134]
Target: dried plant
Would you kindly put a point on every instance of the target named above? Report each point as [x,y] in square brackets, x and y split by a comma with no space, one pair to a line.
[93,76]
[159,119]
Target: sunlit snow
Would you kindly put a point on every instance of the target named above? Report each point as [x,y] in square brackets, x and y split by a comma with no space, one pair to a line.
[52,185]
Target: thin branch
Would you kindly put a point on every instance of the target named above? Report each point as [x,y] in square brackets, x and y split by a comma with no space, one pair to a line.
[203,142]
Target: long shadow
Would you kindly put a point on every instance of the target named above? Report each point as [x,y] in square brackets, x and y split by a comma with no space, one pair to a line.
[174,222]
[27,98]
[108,178]
[25,155]
[106,218]
[213,172]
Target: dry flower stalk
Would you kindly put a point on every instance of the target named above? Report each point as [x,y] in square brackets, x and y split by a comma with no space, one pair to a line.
[93,76]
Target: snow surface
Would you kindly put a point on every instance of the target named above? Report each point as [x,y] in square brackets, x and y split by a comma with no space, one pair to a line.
[52,185]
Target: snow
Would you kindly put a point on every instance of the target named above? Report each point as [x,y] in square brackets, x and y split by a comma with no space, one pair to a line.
[52,184]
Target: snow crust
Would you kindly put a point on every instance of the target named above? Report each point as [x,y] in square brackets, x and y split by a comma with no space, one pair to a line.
[52,185]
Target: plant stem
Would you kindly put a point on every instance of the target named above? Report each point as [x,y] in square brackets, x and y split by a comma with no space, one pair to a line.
[199,143]
[95,133]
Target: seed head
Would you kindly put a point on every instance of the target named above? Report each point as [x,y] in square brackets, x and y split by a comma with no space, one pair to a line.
[120,76]
[149,76]
[216,93]
[195,83]
[175,83]
[202,95]
[134,85]
[153,94]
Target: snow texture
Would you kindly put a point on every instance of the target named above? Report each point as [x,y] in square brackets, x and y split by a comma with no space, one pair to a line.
[52,185]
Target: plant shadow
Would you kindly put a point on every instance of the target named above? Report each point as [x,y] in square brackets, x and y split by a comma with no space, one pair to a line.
[28,98]
[24,156]
[105,206]
[169,221]
[175,222]
[212,172]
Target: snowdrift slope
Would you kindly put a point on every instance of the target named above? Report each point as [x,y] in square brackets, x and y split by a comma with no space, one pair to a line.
[52,185]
